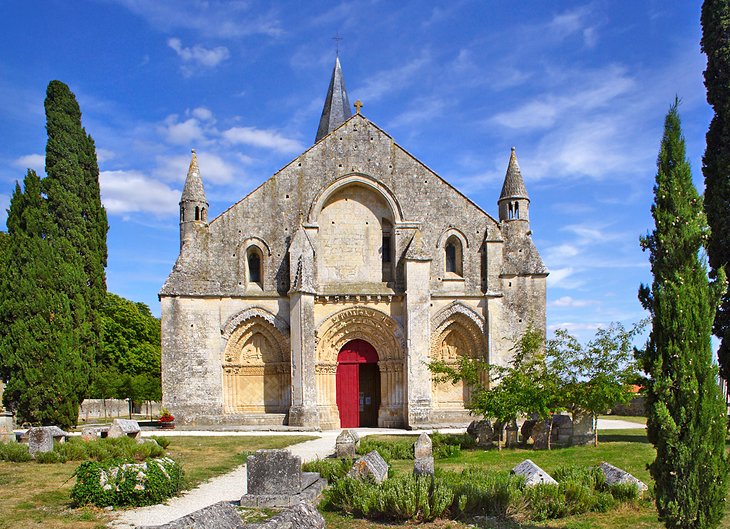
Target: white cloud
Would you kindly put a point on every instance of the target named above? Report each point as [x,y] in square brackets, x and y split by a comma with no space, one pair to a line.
[567,301]
[213,168]
[198,56]
[104,155]
[37,162]
[132,191]
[388,81]
[574,327]
[202,113]
[187,132]
[213,18]
[559,277]
[4,205]
[267,139]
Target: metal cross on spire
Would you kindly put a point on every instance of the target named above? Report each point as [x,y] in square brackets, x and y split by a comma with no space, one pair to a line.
[337,40]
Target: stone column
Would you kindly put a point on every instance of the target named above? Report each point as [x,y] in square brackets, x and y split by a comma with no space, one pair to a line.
[303,411]
[418,330]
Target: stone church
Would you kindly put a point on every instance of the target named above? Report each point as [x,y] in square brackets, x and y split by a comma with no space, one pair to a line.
[319,299]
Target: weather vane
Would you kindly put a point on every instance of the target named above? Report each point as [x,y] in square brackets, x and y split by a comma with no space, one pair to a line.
[337,39]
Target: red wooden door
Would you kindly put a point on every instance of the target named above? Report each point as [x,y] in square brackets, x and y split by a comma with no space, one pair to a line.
[349,359]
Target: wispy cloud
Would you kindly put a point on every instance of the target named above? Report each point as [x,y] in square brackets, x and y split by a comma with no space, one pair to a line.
[210,18]
[37,162]
[198,57]
[264,138]
[132,191]
[567,301]
[394,79]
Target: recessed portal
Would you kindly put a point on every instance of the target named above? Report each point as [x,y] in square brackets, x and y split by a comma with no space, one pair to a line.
[358,385]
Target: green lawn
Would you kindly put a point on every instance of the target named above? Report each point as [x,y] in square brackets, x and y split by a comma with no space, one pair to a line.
[627,449]
[33,495]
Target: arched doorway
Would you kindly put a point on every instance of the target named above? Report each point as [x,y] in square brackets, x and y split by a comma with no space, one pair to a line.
[358,385]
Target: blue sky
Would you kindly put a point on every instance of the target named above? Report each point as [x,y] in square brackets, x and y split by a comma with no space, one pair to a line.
[579,88]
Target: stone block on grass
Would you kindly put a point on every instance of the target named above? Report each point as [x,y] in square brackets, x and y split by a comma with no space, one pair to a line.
[615,475]
[124,428]
[534,475]
[371,465]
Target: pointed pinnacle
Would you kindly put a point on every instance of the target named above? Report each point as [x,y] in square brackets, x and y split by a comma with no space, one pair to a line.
[514,185]
[336,105]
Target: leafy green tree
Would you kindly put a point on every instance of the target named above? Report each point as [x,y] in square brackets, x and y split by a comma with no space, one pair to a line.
[594,378]
[716,162]
[128,365]
[39,348]
[524,387]
[686,420]
[74,205]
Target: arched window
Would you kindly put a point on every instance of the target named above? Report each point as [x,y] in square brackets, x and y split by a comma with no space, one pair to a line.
[203,215]
[453,256]
[253,260]
[182,214]
[386,250]
[517,210]
[511,211]
[197,213]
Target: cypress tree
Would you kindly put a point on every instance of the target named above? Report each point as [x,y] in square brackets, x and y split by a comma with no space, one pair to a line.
[74,205]
[716,162]
[39,349]
[686,421]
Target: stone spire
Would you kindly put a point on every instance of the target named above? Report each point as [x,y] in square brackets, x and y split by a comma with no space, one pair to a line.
[193,190]
[336,106]
[514,202]
[193,205]
[514,185]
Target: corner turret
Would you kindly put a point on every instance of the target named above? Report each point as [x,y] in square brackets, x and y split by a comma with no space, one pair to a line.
[193,204]
[336,105]
[514,203]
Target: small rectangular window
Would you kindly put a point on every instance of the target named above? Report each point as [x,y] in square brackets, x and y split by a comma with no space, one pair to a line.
[386,248]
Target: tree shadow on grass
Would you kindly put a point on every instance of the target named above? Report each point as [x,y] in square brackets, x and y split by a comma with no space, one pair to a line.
[622,438]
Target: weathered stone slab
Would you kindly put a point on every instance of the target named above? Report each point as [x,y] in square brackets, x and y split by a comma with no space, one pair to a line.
[615,475]
[370,465]
[125,427]
[346,444]
[274,472]
[423,450]
[221,515]
[41,438]
[482,432]
[423,446]
[7,435]
[562,433]
[584,432]
[510,435]
[534,475]
[90,434]
[303,515]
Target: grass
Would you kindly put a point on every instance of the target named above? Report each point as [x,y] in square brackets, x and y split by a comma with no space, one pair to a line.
[33,495]
[627,449]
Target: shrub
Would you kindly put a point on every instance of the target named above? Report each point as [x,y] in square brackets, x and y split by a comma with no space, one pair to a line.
[450,445]
[14,452]
[164,442]
[404,497]
[124,448]
[330,469]
[120,483]
[48,457]
[624,491]
[545,502]
[477,492]
[390,449]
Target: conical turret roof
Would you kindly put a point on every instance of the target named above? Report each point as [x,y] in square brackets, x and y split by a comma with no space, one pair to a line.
[193,190]
[514,185]
[336,106]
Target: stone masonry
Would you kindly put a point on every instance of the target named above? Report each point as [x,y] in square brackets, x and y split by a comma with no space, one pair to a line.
[353,241]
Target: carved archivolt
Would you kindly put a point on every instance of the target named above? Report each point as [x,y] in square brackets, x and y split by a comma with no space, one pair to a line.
[361,180]
[233,323]
[363,323]
[457,330]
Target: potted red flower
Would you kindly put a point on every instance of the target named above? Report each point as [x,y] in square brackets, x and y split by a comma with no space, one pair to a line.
[167,421]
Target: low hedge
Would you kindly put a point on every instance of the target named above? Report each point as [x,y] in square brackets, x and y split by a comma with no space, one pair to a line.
[123,483]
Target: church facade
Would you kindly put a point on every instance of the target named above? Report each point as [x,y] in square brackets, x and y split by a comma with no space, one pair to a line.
[320,298]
